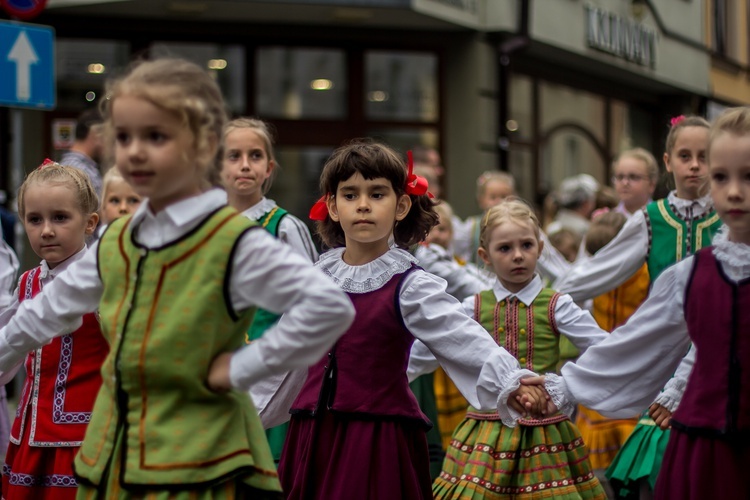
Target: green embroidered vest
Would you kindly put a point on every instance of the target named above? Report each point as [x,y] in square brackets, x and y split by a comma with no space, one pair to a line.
[528,333]
[166,314]
[671,238]
[263,320]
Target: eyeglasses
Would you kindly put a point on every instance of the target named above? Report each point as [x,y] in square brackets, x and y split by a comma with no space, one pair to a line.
[631,178]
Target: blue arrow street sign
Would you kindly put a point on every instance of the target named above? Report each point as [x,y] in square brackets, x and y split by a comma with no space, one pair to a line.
[27,65]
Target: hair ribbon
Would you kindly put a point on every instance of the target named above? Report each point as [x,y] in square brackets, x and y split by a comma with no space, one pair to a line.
[415,184]
[676,120]
[319,210]
[47,162]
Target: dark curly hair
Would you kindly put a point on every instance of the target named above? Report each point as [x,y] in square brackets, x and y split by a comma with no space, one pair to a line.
[373,160]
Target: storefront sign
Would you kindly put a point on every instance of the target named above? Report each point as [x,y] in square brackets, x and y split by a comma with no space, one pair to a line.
[620,36]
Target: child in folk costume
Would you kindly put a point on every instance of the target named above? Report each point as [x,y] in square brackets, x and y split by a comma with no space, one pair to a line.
[664,232]
[541,457]
[176,285]
[356,430]
[118,198]
[57,206]
[604,436]
[8,273]
[705,299]
[248,166]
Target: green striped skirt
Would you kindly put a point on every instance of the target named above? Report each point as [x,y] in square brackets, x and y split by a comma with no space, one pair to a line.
[534,460]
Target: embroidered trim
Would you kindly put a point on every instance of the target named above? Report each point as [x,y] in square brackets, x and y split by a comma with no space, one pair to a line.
[675,225]
[530,337]
[511,327]
[29,481]
[567,482]
[702,226]
[268,218]
[59,415]
[551,313]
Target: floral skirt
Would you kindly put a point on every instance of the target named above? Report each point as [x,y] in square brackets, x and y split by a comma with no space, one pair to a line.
[639,458]
[536,459]
[603,436]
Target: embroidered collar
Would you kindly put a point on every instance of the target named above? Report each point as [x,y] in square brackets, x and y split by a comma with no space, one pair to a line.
[683,207]
[526,295]
[259,209]
[735,257]
[367,277]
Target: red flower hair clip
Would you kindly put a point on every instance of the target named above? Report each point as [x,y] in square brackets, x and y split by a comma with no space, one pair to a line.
[676,120]
[46,162]
[415,185]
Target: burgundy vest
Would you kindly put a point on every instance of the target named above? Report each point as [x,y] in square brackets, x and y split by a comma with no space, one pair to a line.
[717,311]
[62,380]
[365,371]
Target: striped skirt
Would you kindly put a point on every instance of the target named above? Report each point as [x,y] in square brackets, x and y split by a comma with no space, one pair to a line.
[536,459]
[603,436]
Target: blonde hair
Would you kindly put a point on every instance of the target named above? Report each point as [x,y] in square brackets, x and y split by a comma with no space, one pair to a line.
[513,209]
[183,89]
[734,121]
[112,175]
[652,166]
[445,212]
[54,173]
[674,131]
[492,175]
[263,130]
[603,229]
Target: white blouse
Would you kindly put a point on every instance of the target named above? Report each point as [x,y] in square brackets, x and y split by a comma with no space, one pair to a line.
[291,230]
[437,321]
[265,273]
[622,375]
[617,261]
[437,260]
[8,271]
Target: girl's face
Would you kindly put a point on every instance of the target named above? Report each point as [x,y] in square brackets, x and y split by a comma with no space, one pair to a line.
[632,183]
[367,210]
[687,162]
[730,183]
[442,234]
[512,252]
[155,152]
[54,222]
[119,199]
[495,191]
[246,164]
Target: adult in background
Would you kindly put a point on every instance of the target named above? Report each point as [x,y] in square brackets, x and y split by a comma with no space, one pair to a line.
[86,151]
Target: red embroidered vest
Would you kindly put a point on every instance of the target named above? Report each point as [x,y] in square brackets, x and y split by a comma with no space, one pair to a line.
[62,380]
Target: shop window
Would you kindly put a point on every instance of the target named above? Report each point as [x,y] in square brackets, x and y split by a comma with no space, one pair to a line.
[402,139]
[225,62]
[520,125]
[82,68]
[401,86]
[300,83]
[724,32]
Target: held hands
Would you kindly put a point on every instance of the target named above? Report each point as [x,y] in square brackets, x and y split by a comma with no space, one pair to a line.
[218,373]
[661,415]
[531,399]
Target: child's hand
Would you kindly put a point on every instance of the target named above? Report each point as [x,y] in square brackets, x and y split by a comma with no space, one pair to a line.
[529,401]
[218,373]
[661,415]
[539,380]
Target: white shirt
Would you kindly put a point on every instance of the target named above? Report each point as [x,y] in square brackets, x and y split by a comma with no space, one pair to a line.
[291,230]
[622,375]
[435,319]
[619,259]
[8,271]
[437,260]
[265,273]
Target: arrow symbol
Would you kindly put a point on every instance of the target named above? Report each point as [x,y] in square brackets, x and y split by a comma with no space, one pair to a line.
[22,53]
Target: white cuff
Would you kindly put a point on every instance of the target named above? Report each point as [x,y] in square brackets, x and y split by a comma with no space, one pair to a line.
[510,383]
[558,392]
[672,395]
[246,367]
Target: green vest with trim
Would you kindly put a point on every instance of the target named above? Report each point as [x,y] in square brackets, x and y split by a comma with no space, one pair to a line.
[671,238]
[528,333]
[263,320]
[166,314]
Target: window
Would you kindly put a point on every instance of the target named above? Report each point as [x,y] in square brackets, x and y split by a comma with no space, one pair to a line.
[401,86]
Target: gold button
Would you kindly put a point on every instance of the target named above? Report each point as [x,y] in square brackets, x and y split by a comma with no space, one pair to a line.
[521,305]
[501,329]
[522,331]
[502,304]
[522,360]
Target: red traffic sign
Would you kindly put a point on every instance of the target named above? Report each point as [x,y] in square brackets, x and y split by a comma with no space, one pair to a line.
[24,9]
